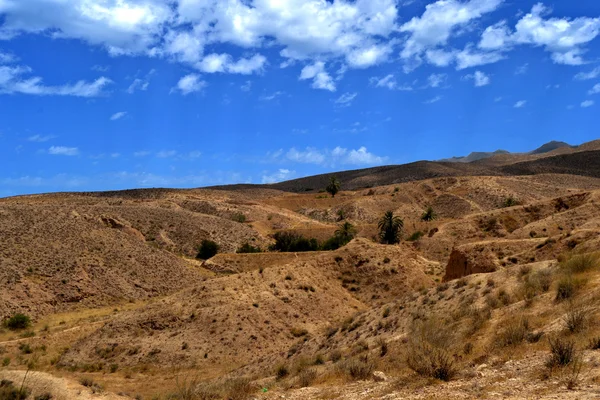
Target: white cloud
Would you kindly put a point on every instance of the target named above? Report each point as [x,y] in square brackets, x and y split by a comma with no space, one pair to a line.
[433,100]
[6,58]
[437,24]
[361,157]
[166,153]
[141,84]
[272,96]
[321,79]
[213,63]
[12,80]
[388,82]
[339,155]
[587,103]
[522,69]
[40,138]
[479,78]
[498,99]
[595,89]
[279,176]
[564,38]
[368,56]
[584,76]
[357,33]
[307,156]
[520,104]
[122,26]
[118,115]
[468,58]
[246,87]
[142,153]
[346,99]
[138,84]
[63,151]
[100,68]
[189,84]
[435,80]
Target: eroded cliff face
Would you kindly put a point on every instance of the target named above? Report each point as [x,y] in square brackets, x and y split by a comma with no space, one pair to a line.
[467,260]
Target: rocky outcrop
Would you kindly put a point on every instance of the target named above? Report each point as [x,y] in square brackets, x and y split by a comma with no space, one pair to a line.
[467,260]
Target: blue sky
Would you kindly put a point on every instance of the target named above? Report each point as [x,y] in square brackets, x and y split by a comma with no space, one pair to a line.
[114,94]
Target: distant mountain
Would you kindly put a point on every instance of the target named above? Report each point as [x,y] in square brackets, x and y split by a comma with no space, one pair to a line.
[475,156]
[482,155]
[548,147]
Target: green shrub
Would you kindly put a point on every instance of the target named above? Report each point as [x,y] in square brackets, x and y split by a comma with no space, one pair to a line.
[207,249]
[18,322]
[248,248]
[281,372]
[239,217]
[415,236]
[510,202]
[293,242]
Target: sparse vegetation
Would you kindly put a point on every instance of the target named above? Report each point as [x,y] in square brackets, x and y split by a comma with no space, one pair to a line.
[390,227]
[248,248]
[333,187]
[207,249]
[429,352]
[18,322]
[415,236]
[8,391]
[562,352]
[429,215]
[293,242]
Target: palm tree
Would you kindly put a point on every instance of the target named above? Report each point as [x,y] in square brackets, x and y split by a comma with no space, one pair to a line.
[346,232]
[334,186]
[429,215]
[389,228]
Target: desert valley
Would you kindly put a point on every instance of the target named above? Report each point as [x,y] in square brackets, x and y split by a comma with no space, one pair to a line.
[492,291]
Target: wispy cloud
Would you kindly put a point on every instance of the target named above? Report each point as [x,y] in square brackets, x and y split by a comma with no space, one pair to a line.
[63,151]
[40,138]
[278,176]
[118,115]
[191,83]
[339,155]
[520,104]
[479,78]
[15,80]
[272,96]
[346,99]
[433,100]
[587,103]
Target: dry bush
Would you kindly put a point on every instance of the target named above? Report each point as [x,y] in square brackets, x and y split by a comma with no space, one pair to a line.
[562,352]
[573,377]
[357,368]
[594,343]
[514,332]
[567,288]
[10,392]
[576,319]
[231,389]
[535,284]
[579,263]
[307,377]
[430,348]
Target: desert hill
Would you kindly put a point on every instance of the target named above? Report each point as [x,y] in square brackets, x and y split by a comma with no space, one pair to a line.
[121,307]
